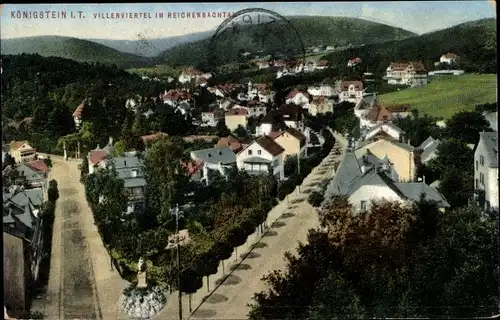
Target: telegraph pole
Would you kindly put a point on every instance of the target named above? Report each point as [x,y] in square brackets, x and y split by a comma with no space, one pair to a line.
[298,165]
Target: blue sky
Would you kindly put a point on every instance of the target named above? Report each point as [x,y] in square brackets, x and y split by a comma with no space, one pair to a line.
[416,16]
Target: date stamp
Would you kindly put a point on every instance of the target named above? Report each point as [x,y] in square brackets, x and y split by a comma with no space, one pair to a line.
[254,34]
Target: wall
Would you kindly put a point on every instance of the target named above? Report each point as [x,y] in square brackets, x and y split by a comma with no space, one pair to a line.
[232,122]
[368,193]
[16,267]
[289,143]
[402,159]
[492,182]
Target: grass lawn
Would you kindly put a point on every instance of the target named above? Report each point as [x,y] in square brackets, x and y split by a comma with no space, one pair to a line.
[160,70]
[447,95]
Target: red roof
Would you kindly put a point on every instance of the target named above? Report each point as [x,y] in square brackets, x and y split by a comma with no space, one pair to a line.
[237,112]
[294,92]
[355,60]
[176,95]
[318,100]
[96,156]
[231,142]
[323,63]
[379,113]
[152,137]
[450,55]
[79,110]
[402,66]
[192,166]
[358,85]
[38,165]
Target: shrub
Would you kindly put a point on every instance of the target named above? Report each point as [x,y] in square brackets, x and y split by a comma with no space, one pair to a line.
[315,199]
[53,193]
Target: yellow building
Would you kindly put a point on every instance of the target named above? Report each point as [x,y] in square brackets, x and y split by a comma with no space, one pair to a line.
[236,117]
[21,151]
[400,154]
[292,140]
[320,105]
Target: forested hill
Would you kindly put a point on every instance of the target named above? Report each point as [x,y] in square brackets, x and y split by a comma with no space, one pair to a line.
[475,42]
[50,88]
[313,31]
[72,48]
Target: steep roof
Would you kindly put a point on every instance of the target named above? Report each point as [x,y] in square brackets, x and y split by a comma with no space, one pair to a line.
[38,165]
[426,143]
[385,124]
[402,66]
[358,85]
[96,156]
[429,150]
[490,141]
[231,142]
[14,145]
[29,173]
[346,173]
[270,117]
[270,145]
[79,110]
[379,113]
[450,55]
[216,155]
[192,166]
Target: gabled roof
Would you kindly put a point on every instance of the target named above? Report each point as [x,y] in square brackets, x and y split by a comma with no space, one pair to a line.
[291,112]
[323,63]
[379,113]
[30,174]
[231,142]
[79,110]
[385,124]
[358,85]
[292,131]
[38,165]
[426,143]
[192,166]
[295,92]
[14,145]
[270,117]
[402,66]
[401,145]
[429,150]
[413,190]
[348,171]
[490,141]
[216,155]
[270,145]
[96,156]
[450,55]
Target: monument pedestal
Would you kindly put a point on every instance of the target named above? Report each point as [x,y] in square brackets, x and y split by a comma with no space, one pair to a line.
[141,280]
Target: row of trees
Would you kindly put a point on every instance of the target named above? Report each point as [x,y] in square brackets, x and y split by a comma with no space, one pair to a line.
[391,261]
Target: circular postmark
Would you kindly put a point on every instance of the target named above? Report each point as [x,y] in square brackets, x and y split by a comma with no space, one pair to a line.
[255,39]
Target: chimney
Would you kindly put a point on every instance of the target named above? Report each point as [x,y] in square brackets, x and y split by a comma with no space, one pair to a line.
[125,162]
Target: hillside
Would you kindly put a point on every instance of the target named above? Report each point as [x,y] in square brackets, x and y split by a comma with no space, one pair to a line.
[313,30]
[71,48]
[446,96]
[475,42]
[154,46]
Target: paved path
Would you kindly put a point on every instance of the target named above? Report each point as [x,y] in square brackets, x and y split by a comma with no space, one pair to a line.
[292,219]
[81,284]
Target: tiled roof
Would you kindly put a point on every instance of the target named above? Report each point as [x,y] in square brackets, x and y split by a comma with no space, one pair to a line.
[294,92]
[38,165]
[14,145]
[29,173]
[215,155]
[78,111]
[192,166]
[270,145]
[153,137]
[192,72]
[96,156]
[358,85]
[385,124]
[231,142]
[402,66]
[176,95]
[297,134]
[237,112]
[379,113]
[274,134]
[270,118]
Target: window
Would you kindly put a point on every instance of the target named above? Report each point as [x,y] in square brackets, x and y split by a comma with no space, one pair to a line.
[477,184]
[249,152]
[259,152]
[363,205]
[481,178]
[477,165]
[481,160]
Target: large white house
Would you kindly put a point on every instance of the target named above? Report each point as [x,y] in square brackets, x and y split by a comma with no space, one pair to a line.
[486,168]
[351,91]
[298,98]
[413,74]
[262,156]
[322,90]
[190,74]
[448,58]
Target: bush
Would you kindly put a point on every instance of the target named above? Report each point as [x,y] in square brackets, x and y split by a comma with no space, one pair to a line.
[53,193]
[315,199]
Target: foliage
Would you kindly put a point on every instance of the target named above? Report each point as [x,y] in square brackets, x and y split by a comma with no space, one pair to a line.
[53,192]
[13,177]
[48,162]
[290,166]
[376,264]
[466,126]
[315,199]
[417,128]
[446,95]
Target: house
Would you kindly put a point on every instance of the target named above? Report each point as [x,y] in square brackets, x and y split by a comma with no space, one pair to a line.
[77,115]
[351,91]
[22,244]
[194,170]
[323,90]
[211,118]
[362,182]
[352,62]
[263,64]
[266,124]
[384,131]
[291,140]
[320,105]
[448,58]
[226,104]
[34,177]
[236,117]
[322,64]
[219,159]
[413,74]
[190,73]
[428,149]
[231,142]
[375,115]
[174,97]
[292,116]
[297,97]
[486,168]
[223,90]
[130,170]
[21,151]
[255,109]
[150,138]
[310,66]
[399,110]
[492,118]
[399,153]
[262,156]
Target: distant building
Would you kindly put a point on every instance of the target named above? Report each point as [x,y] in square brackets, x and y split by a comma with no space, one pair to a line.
[322,90]
[211,118]
[21,151]
[219,159]
[191,73]
[352,62]
[351,91]
[486,168]
[77,115]
[236,117]
[448,58]
[413,74]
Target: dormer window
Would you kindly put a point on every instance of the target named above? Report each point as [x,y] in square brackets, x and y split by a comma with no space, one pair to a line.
[134,173]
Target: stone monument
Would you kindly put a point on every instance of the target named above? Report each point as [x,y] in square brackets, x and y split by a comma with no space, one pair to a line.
[141,274]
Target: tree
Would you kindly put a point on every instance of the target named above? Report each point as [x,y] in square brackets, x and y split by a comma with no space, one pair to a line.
[314,139]
[241,132]
[315,199]
[53,192]
[418,128]
[48,162]
[191,281]
[8,161]
[466,126]
[291,166]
